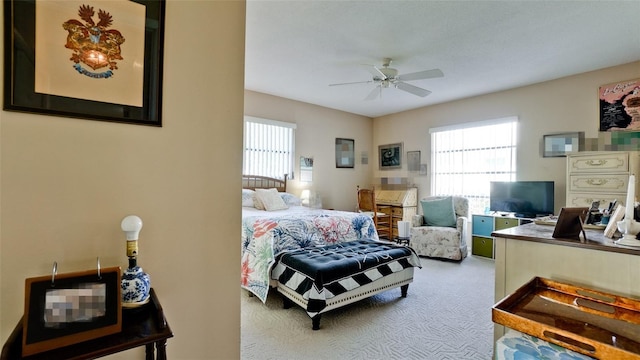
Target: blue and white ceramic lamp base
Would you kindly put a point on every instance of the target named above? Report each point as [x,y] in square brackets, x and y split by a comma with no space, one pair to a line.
[136,286]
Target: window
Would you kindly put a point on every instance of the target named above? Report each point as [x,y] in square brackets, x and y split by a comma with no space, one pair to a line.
[465,158]
[268,147]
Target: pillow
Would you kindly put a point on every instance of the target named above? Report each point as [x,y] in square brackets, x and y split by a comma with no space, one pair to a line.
[247,197]
[290,199]
[271,199]
[439,212]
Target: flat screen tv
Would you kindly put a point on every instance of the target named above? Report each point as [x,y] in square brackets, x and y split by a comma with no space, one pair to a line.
[524,198]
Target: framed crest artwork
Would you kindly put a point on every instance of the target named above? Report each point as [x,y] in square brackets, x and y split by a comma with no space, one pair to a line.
[390,156]
[98,60]
[620,106]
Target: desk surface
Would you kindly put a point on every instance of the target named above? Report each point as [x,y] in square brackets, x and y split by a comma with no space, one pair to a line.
[144,326]
[543,234]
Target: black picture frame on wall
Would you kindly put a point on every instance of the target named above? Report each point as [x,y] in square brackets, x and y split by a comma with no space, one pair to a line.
[390,156]
[557,145]
[345,149]
[20,68]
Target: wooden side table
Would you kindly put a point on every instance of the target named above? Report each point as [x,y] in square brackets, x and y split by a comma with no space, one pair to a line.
[146,326]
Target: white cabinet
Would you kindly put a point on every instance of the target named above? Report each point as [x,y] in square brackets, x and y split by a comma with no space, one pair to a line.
[600,176]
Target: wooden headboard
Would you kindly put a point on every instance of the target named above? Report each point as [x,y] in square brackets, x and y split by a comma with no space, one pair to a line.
[262,182]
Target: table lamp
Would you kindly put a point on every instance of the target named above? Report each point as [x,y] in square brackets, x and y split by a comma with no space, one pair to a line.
[135,283]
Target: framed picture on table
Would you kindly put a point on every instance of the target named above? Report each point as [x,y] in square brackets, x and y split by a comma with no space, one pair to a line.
[65,309]
[57,64]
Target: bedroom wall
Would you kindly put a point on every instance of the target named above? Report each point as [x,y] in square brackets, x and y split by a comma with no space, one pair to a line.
[564,105]
[317,129]
[66,184]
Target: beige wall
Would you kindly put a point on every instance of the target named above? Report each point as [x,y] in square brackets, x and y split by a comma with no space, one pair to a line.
[317,129]
[67,183]
[563,105]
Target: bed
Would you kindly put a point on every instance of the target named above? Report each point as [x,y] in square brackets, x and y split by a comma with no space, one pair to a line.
[289,247]
[267,234]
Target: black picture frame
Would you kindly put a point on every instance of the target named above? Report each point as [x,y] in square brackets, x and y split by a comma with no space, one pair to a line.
[571,223]
[20,63]
[98,313]
[390,156]
[558,145]
[345,150]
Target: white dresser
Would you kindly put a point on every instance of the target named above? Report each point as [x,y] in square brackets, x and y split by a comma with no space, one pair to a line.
[600,176]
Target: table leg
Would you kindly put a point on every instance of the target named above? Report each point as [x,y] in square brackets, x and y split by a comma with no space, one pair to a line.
[161,346]
[149,354]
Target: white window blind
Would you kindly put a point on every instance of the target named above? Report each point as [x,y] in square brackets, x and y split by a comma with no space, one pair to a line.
[466,158]
[268,147]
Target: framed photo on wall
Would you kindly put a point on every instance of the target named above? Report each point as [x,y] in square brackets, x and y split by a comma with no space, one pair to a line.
[620,106]
[555,145]
[413,160]
[54,66]
[345,157]
[390,156]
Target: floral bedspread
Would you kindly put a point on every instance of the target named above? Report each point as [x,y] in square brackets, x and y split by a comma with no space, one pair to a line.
[266,236]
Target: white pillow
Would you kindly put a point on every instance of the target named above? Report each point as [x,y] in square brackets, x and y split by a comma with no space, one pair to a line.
[247,197]
[271,199]
[290,199]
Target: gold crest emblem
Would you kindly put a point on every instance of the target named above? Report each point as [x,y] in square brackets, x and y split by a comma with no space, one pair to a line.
[94,45]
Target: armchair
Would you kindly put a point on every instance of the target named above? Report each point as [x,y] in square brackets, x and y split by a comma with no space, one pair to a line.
[442,241]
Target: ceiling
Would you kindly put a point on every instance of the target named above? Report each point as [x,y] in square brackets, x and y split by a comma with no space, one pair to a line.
[295,49]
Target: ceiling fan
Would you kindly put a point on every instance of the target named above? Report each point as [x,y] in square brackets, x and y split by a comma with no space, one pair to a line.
[385,77]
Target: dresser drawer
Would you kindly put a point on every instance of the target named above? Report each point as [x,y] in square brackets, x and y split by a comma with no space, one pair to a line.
[609,183]
[585,199]
[481,225]
[607,162]
[396,211]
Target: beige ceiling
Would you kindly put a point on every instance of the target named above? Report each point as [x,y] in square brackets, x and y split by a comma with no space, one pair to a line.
[295,49]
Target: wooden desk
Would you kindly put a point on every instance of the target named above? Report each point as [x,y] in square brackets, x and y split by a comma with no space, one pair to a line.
[146,326]
[530,250]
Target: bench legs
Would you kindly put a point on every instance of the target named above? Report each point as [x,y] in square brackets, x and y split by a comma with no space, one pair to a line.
[315,321]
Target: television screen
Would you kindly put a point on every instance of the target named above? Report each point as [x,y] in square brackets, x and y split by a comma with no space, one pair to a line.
[524,198]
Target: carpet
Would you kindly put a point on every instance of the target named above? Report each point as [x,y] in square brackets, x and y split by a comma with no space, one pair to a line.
[446,315]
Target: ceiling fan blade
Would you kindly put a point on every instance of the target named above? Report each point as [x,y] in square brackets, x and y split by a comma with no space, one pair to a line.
[427,74]
[375,71]
[412,89]
[351,83]
[374,93]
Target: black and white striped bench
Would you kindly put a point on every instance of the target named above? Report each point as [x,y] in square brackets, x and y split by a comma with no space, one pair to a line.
[324,278]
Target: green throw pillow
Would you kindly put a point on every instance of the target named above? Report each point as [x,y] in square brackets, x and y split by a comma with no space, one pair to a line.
[439,212]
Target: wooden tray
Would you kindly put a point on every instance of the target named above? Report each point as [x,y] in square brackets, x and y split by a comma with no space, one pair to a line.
[594,323]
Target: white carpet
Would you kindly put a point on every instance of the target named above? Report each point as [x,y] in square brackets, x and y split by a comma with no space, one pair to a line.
[446,315]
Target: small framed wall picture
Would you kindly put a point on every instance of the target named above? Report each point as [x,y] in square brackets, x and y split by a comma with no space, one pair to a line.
[555,145]
[390,156]
[345,153]
[413,160]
